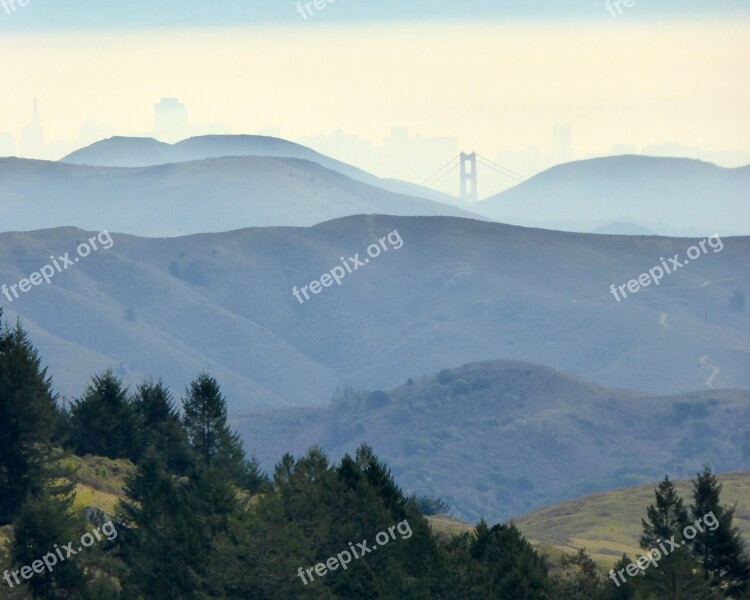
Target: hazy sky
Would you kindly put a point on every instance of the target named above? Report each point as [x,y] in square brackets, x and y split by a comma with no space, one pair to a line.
[112,14]
[493,74]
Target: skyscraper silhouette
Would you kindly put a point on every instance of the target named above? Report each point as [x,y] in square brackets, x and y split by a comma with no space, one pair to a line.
[170,120]
[32,136]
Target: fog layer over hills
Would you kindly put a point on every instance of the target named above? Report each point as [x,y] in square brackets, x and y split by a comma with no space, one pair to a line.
[209,195]
[218,183]
[669,196]
[147,152]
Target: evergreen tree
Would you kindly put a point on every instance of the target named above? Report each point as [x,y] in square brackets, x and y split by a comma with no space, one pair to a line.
[161,537]
[64,427]
[28,419]
[677,577]
[256,480]
[170,529]
[45,523]
[618,589]
[579,578]
[668,517]
[160,428]
[430,506]
[103,421]
[318,510]
[719,547]
[412,568]
[208,431]
[211,498]
[497,563]
[379,477]
[261,556]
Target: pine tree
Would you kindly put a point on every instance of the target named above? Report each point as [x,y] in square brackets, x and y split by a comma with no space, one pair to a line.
[677,576]
[719,547]
[579,578]
[256,479]
[497,562]
[620,590]
[103,421]
[208,431]
[44,524]
[28,419]
[160,536]
[334,505]
[666,518]
[261,556]
[170,528]
[379,477]
[160,428]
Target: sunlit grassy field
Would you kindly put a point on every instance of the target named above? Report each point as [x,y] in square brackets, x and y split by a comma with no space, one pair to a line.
[608,524]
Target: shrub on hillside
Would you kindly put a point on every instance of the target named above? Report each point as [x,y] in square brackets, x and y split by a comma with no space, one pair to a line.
[481,383]
[460,387]
[446,376]
[377,399]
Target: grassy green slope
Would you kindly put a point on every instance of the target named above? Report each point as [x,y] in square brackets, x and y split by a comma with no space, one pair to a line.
[608,524]
[100,483]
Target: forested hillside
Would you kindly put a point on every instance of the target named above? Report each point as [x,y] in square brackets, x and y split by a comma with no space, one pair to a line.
[199,520]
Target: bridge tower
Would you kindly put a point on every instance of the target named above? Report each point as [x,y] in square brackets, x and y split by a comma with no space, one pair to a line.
[469,177]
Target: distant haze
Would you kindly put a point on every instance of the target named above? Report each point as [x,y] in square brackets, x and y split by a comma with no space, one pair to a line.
[666,196]
[249,181]
[495,85]
[458,290]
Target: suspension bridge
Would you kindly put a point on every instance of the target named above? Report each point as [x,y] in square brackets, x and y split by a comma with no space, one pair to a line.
[467,163]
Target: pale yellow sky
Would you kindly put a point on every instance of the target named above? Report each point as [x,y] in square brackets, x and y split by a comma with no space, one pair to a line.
[491,85]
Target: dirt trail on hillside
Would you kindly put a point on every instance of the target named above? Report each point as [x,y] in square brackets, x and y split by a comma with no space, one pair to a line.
[712,376]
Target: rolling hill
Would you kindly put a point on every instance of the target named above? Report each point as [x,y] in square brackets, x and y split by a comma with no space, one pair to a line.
[202,196]
[609,523]
[458,290]
[148,152]
[497,439]
[669,196]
